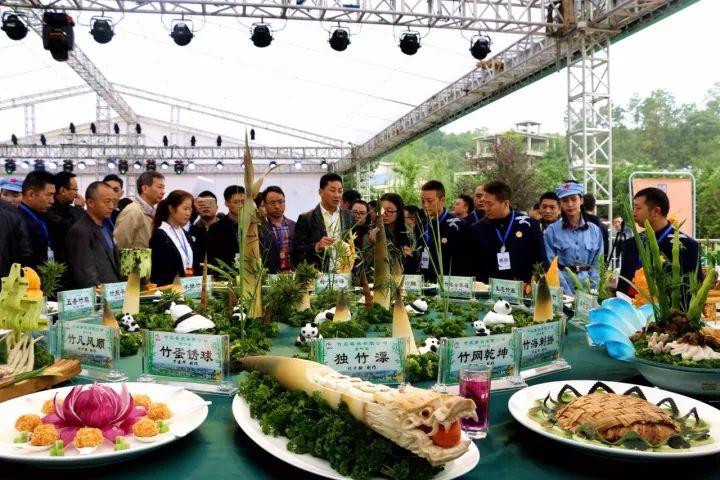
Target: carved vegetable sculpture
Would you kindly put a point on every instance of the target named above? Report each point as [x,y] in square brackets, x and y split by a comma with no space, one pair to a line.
[411,417]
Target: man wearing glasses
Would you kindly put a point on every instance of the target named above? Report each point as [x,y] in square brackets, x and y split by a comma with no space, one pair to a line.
[276,232]
[223,239]
[63,214]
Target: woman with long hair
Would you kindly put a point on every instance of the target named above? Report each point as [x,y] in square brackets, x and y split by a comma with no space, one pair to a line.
[576,242]
[173,249]
[392,218]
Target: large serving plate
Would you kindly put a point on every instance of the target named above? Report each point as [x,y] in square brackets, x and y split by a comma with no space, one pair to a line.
[521,402]
[693,381]
[178,400]
[277,446]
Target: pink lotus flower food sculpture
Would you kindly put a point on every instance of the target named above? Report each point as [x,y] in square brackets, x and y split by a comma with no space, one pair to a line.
[94,406]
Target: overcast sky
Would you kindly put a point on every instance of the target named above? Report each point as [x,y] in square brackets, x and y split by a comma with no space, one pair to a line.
[299,81]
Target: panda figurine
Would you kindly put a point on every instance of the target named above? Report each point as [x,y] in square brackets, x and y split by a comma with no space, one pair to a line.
[238,315]
[324,316]
[418,307]
[500,314]
[187,321]
[128,323]
[481,330]
[430,344]
[309,332]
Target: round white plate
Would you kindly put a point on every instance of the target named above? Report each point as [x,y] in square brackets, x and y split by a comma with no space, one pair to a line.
[521,402]
[178,400]
[277,446]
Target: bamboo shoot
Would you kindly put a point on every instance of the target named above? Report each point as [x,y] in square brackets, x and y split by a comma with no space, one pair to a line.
[342,311]
[401,324]
[543,302]
[553,274]
[108,319]
[381,290]
[131,302]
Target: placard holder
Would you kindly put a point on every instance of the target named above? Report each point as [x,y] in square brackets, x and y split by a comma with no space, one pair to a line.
[158,368]
[558,364]
[98,361]
[361,357]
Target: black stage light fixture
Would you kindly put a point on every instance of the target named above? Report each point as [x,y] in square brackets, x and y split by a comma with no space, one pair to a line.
[181,33]
[324,165]
[165,141]
[101,29]
[14,139]
[111,163]
[116,129]
[81,165]
[273,164]
[39,165]
[218,141]
[409,43]
[43,140]
[252,134]
[72,128]
[219,165]
[192,141]
[261,35]
[179,167]
[25,164]
[165,165]
[14,26]
[480,46]
[67,166]
[339,39]
[123,167]
[150,166]
[58,34]
[10,166]
[137,164]
[138,128]
[93,128]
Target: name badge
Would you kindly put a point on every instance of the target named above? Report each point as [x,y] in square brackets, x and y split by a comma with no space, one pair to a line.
[425,259]
[503,260]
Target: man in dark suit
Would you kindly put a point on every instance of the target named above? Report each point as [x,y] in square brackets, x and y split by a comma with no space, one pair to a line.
[276,232]
[14,238]
[92,255]
[38,196]
[319,228]
[222,237]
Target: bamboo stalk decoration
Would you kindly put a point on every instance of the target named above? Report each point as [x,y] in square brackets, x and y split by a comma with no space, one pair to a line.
[543,302]
[131,302]
[401,323]
[381,292]
[136,264]
[108,319]
[342,310]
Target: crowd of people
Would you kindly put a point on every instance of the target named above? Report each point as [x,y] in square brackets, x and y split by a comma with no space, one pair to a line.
[43,217]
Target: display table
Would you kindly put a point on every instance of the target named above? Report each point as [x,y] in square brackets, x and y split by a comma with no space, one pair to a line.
[220,450]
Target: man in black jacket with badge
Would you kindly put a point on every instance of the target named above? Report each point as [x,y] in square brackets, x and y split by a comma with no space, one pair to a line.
[653,205]
[442,237]
[319,228]
[505,244]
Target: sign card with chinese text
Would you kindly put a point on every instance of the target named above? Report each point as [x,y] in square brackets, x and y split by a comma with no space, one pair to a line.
[95,346]
[333,281]
[114,294]
[459,287]
[556,295]
[584,302]
[74,304]
[540,344]
[413,283]
[500,352]
[510,290]
[379,360]
[192,286]
[194,358]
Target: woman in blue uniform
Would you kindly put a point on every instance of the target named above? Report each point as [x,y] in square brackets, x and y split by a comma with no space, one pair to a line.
[576,242]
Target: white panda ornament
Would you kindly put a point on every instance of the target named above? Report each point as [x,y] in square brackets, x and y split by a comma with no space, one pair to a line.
[500,314]
[308,332]
[238,315]
[324,316]
[430,344]
[418,307]
[187,321]
[128,323]
[480,328]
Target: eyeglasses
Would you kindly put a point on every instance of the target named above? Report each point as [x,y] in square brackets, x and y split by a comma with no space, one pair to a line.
[389,212]
[358,213]
[275,203]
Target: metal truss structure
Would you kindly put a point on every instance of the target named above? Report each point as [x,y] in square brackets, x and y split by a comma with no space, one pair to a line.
[507,16]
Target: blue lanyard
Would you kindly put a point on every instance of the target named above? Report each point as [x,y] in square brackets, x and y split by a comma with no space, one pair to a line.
[427,225]
[279,235]
[43,227]
[503,238]
[475,216]
[111,223]
[183,243]
[662,236]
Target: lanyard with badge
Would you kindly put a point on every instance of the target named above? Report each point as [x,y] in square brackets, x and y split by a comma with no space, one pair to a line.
[662,237]
[187,265]
[279,233]
[503,257]
[425,255]
[43,230]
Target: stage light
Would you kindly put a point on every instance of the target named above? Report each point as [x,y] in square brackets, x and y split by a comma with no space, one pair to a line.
[480,46]
[218,141]
[409,43]
[324,165]
[165,165]
[10,166]
[123,167]
[58,34]
[43,140]
[150,166]
[191,165]
[116,129]
[181,33]
[339,39]
[72,128]
[165,141]
[273,164]
[111,163]
[102,29]
[93,128]
[52,165]
[138,128]
[67,166]
[179,167]
[137,165]
[261,35]
[193,141]
[298,165]
[13,26]
[81,165]
[25,164]
[219,165]
[39,165]
[14,139]
[252,134]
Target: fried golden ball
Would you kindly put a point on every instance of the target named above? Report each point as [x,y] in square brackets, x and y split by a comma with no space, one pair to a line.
[146,428]
[159,411]
[141,400]
[27,423]
[44,434]
[88,437]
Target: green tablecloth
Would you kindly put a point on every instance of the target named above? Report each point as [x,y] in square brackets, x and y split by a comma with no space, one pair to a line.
[220,450]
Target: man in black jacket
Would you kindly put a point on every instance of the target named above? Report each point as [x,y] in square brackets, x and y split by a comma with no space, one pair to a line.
[14,239]
[276,232]
[38,196]
[222,238]
[92,256]
[589,204]
[319,228]
[63,213]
